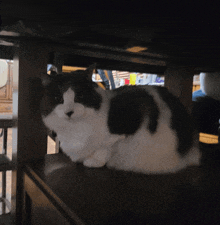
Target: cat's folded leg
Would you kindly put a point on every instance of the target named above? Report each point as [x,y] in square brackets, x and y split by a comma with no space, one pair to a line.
[98,159]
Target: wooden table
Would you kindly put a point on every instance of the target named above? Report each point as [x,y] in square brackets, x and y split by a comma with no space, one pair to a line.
[61,192]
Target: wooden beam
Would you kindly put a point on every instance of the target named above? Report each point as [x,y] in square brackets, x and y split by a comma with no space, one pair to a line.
[30,136]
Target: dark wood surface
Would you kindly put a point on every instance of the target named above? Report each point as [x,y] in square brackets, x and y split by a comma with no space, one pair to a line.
[29,134]
[103,196]
[7,121]
[173,33]
[6,163]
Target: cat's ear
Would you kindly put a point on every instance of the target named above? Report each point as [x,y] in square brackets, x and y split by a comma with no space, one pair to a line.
[45,79]
[89,71]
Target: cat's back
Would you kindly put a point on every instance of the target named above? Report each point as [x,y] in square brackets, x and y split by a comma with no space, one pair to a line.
[130,105]
[156,125]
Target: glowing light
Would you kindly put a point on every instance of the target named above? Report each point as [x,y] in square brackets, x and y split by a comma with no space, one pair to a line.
[136,49]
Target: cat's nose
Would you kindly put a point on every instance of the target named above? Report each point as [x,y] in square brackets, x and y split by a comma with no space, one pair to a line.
[69,114]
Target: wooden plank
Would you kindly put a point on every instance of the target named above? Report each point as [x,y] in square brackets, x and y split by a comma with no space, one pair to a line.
[29,137]
[101,195]
[39,200]
[5,163]
[44,197]
[7,121]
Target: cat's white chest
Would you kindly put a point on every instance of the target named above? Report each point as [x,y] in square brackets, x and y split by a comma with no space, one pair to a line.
[75,135]
[80,136]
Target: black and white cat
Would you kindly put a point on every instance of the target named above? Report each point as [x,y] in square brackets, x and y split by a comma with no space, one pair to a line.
[133,128]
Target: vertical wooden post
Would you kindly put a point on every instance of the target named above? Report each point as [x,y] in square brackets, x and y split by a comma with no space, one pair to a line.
[30,136]
[58,61]
[179,81]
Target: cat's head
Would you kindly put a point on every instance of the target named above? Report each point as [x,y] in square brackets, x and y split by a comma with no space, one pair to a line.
[67,94]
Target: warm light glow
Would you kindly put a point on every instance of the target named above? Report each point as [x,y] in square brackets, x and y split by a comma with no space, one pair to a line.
[101,85]
[208,138]
[136,49]
[67,69]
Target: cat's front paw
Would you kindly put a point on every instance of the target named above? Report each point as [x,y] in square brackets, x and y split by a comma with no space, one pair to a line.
[98,159]
[79,110]
[94,163]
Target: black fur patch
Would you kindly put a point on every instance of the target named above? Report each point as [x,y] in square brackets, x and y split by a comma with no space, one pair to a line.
[83,88]
[129,108]
[52,96]
[181,122]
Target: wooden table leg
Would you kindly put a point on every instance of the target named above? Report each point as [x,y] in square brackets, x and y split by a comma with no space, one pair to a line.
[4,151]
[30,136]
[58,62]
[5,135]
[179,81]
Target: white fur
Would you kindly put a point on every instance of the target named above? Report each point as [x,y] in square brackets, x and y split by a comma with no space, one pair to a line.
[84,133]
[85,138]
[155,153]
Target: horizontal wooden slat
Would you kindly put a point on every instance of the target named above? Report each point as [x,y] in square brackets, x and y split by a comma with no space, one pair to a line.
[32,179]
[6,163]
[7,123]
